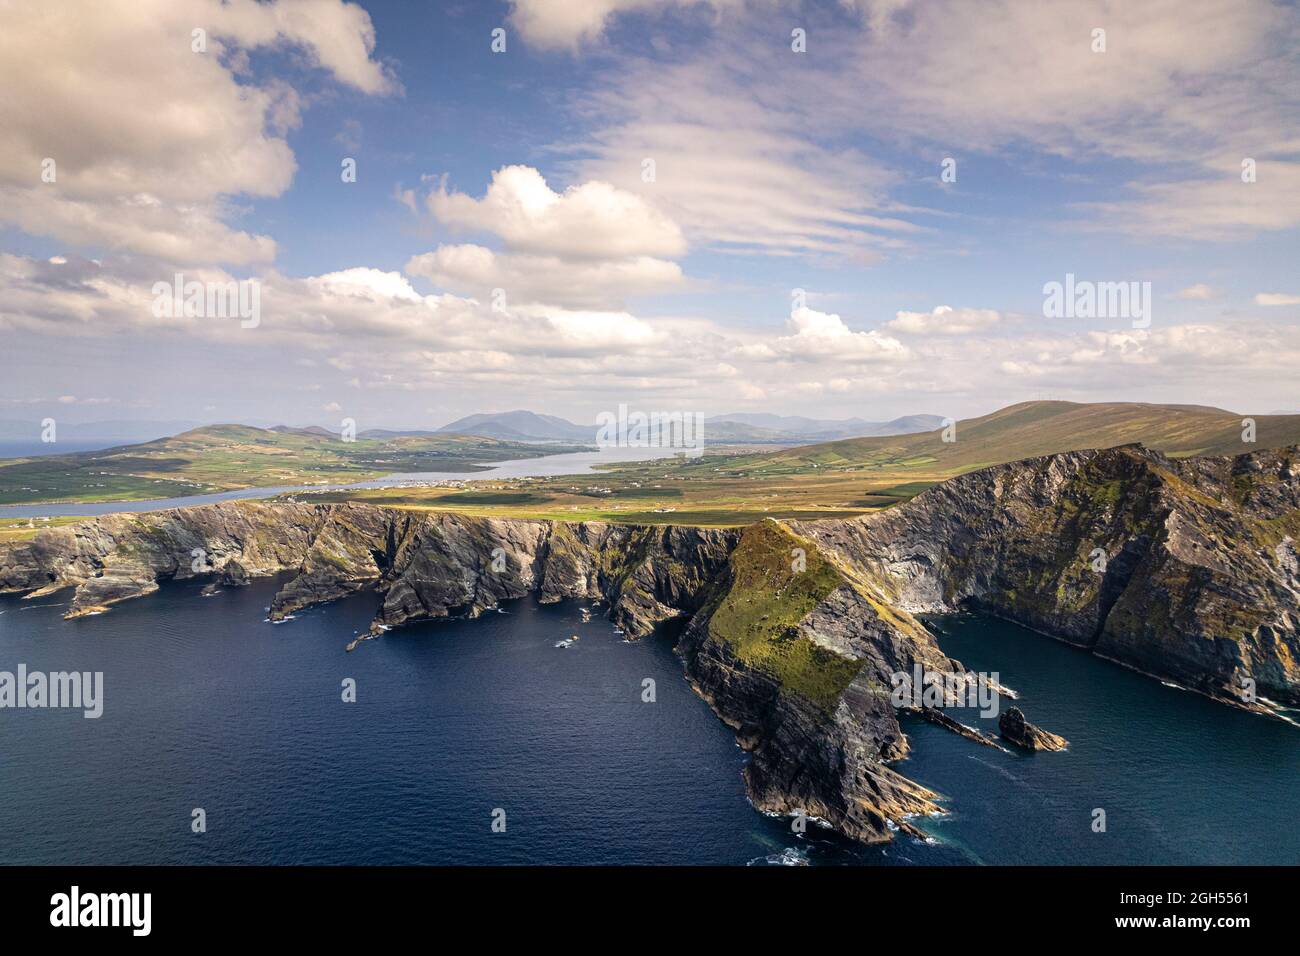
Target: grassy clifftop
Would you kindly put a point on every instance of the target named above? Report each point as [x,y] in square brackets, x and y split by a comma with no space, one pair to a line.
[777,579]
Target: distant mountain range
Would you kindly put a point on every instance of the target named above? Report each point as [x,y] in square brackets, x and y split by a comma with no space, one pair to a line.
[783,429]
[1052,426]
[741,427]
[518,426]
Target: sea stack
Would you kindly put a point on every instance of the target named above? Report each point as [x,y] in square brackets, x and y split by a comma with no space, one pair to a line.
[1022,733]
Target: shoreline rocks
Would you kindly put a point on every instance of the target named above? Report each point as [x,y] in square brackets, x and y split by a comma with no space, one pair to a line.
[790,631]
[1015,728]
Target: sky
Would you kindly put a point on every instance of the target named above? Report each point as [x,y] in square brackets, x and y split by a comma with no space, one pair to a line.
[833,209]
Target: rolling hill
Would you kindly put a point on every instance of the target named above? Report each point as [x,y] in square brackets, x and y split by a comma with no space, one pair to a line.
[228,457]
[520,425]
[843,478]
[1030,429]
[762,427]
[738,427]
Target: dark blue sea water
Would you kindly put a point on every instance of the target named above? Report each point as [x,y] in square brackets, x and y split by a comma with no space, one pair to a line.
[208,705]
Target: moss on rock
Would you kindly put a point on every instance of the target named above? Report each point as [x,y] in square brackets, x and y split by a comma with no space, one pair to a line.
[777,579]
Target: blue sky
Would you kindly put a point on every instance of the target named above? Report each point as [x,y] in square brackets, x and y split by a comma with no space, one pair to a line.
[521,172]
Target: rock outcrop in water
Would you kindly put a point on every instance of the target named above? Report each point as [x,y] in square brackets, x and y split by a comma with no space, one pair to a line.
[792,631]
[1015,728]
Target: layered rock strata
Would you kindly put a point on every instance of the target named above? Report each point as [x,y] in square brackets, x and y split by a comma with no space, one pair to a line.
[794,632]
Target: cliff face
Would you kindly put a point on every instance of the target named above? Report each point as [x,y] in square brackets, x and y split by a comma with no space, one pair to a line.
[797,656]
[122,556]
[1184,569]
[425,565]
[784,645]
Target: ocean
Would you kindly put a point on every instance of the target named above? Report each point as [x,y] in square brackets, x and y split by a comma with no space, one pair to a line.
[457,724]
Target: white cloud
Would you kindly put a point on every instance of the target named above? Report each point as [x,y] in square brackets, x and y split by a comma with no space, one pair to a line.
[590,247]
[1198,292]
[945,320]
[148,137]
[369,330]
[1188,110]
[734,160]
[476,270]
[590,220]
[1276,298]
[966,73]
[556,23]
[565,24]
[766,152]
[823,336]
[1219,208]
[371,284]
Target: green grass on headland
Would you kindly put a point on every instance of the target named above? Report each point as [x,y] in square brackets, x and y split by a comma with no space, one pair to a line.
[777,580]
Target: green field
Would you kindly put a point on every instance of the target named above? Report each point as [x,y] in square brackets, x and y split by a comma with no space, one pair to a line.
[24,529]
[228,457]
[842,478]
[726,486]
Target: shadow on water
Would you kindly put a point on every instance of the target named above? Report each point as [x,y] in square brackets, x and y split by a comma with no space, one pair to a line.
[1181,779]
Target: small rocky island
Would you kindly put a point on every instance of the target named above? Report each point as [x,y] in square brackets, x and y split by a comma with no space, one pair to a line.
[1022,733]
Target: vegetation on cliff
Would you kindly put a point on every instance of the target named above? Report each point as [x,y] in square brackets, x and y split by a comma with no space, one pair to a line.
[776,580]
[1185,569]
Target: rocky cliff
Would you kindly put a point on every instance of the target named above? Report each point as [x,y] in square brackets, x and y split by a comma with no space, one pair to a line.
[1183,569]
[424,565]
[792,632]
[785,645]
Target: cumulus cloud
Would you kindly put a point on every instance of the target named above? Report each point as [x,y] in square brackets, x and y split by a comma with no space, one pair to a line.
[346,315]
[147,137]
[370,330]
[592,246]
[371,284]
[590,220]
[1198,292]
[824,336]
[945,320]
